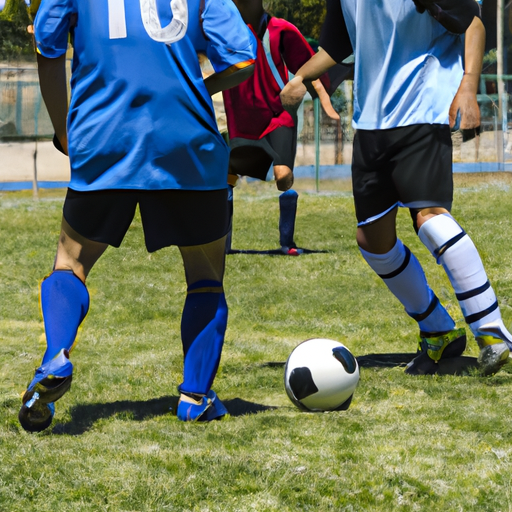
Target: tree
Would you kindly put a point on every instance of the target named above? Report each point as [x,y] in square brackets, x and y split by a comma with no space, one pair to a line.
[306,15]
[15,41]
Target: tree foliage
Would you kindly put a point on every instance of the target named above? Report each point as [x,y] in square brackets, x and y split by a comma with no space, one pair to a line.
[15,41]
[306,15]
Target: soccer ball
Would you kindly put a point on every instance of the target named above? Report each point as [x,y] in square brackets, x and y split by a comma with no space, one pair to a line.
[321,375]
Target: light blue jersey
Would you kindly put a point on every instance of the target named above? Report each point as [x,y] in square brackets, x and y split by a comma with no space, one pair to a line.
[408,67]
[140,116]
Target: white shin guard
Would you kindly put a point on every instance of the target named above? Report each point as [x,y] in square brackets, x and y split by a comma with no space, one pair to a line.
[456,252]
[402,273]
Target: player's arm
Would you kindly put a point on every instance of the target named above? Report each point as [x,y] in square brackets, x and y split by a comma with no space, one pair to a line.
[52,81]
[295,89]
[325,100]
[455,15]
[228,78]
[335,46]
[465,100]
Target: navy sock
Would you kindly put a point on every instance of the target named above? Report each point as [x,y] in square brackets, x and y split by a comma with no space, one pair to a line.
[287,214]
[64,302]
[203,325]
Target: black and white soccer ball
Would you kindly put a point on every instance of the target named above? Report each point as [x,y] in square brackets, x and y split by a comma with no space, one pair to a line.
[321,375]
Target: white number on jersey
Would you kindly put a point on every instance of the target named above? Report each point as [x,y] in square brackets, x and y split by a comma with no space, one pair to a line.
[168,35]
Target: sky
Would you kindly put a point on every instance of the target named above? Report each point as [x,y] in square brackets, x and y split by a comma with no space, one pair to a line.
[2,3]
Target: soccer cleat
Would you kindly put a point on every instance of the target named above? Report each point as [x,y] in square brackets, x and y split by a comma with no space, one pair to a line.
[291,251]
[200,407]
[434,346]
[50,382]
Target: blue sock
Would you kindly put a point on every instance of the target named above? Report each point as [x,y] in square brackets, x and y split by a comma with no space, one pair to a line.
[203,325]
[287,214]
[64,302]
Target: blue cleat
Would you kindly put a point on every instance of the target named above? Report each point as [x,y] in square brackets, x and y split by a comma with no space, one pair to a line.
[204,408]
[50,382]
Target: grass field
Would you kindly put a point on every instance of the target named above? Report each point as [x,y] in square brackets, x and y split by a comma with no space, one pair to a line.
[406,443]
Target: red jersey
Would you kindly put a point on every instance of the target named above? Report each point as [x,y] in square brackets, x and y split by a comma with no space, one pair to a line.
[253,108]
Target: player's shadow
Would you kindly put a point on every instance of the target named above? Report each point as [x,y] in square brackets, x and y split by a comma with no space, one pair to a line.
[83,417]
[462,365]
[275,252]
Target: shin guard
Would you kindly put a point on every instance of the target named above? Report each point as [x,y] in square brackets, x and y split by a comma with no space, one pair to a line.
[402,273]
[287,214]
[203,326]
[455,251]
[64,304]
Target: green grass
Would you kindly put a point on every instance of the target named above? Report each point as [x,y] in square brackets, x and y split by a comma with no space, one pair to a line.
[411,444]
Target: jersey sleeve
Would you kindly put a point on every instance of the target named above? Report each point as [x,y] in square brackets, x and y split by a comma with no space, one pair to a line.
[230,43]
[334,38]
[454,15]
[295,50]
[51,27]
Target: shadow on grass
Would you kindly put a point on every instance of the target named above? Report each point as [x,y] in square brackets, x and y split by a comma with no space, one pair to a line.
[83,417]
[275,252]
[461,365]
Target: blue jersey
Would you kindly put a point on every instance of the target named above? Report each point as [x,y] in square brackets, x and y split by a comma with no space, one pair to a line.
[408,67]
[140,116]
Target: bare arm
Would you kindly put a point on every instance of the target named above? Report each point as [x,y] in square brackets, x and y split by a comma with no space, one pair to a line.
[53,84]
[465,99]
[228,78]
[294,90]
[325,100]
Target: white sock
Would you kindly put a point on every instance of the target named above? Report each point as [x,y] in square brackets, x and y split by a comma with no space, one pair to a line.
[402,273]
[456,252]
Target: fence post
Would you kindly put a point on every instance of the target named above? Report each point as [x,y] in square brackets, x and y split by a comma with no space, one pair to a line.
[316,109]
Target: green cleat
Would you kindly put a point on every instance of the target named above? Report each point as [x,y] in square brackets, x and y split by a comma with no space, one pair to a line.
[435,346]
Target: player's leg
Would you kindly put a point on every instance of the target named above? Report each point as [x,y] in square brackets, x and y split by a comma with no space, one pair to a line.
[456,252]
[64,304]
[376,199]
[232,180]
[197,222]
[402,273]
[287,216]
[284,144]
[65,301]
[203,326]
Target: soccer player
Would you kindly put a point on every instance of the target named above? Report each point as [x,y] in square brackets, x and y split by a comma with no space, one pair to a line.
[408,70]
[140,131]
[261,132]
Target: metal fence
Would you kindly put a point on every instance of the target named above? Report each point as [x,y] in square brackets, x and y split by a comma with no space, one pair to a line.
[23,116]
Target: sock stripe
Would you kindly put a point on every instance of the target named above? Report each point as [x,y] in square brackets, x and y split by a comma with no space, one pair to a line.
[478,316]
[473,293]
[401,268]
[441,250]
[421,316]
[207,289]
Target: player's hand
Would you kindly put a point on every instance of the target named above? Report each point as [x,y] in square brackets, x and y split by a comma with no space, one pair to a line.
[292,95]
[325,100]
[284,177]
[465,106]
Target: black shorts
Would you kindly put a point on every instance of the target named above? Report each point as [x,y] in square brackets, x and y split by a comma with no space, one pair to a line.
[409,166]
[169,217]
[254,157]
